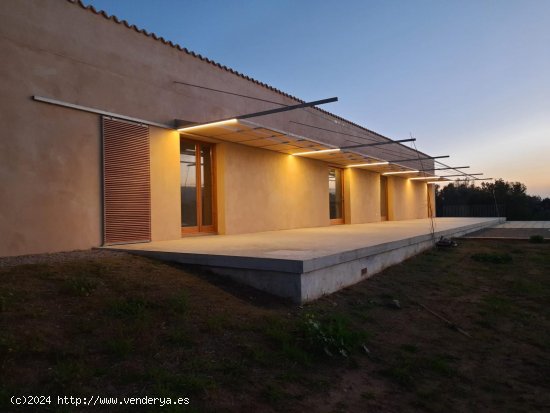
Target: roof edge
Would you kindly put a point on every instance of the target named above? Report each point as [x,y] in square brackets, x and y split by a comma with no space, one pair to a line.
[169,43]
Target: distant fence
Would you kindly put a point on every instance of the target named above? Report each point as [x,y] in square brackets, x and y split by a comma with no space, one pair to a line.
[471,211]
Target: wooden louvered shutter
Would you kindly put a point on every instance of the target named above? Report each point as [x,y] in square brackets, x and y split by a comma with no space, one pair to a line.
[126,182]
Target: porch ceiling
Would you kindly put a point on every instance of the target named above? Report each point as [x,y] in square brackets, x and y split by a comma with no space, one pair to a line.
[252,134]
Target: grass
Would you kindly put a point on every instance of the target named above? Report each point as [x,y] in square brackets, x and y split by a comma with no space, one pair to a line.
[536,239]
[129,326]
[492,257]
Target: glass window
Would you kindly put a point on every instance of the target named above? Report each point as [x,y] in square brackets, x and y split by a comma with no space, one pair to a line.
[188,184]
[336,193]
[197,186]
[206,184]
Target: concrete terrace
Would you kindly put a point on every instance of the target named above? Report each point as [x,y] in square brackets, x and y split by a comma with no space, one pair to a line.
[304,264]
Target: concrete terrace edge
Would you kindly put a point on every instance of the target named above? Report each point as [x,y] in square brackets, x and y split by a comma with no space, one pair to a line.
[306,280]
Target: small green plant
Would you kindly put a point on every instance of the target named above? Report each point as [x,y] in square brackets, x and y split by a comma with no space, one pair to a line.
[119,347]
[179,338]
[332,335]
[180,303]
[492,258]
[129,308]
[536,239]
[79,286]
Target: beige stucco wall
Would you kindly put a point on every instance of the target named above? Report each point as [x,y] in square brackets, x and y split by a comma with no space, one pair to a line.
[362,196]
[261,190]
[165,184]
[406,199]
[431,199]
[50,180]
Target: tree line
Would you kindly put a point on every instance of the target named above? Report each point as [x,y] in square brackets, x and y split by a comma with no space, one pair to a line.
[509,199]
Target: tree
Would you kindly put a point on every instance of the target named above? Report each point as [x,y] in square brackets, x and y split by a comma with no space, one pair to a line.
[510,197]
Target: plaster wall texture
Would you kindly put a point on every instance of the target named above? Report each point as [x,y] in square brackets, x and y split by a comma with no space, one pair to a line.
[407,199]
[363,200]
[165,184]
[50,157]
[261,190]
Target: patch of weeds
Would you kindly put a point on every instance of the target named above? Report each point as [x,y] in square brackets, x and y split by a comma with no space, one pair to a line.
[180,303]
[7,344]
[180,338]
[274,395]
[41,271]
[409,348]
[284,336]
[331,335]
[135,308]
[67,372]
[536,239]
[368,395]
[428,399]
[119,347]
[258,355]
[4,299]
[292,376]
[496,304]
[79,286]
[192,384]
[440,365]
[524,286]
[233,368]
[217,323]
[401,372]
[492,257]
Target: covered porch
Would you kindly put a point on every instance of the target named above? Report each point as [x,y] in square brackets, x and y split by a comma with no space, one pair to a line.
[305,264]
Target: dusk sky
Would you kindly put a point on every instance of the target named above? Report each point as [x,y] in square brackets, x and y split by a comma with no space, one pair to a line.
[470,79]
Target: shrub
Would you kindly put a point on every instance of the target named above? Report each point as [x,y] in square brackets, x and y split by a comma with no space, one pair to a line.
[492,258]
[536,239]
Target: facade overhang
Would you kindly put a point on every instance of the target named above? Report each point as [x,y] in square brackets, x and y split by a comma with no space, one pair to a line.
[249,133]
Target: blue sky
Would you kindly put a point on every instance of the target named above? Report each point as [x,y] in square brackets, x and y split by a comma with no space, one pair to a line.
[470,79]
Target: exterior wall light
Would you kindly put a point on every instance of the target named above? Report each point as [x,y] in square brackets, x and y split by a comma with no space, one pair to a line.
[206,125]
[316,152]
[419,178]
[368,164]
[413,171]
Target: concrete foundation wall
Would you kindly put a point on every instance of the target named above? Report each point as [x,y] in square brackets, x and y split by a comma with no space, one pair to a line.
[261,190]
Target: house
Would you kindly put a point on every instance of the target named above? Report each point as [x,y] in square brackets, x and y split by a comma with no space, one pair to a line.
[114,135]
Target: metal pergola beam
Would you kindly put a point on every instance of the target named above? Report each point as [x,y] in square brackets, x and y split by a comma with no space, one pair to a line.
[444,169]
[376,144]
[286,108]
[451,176]
[418,159]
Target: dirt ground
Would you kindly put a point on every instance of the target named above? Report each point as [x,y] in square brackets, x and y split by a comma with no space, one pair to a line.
[460,330]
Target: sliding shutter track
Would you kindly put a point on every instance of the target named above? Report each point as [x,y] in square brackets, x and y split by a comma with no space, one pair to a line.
[126,182]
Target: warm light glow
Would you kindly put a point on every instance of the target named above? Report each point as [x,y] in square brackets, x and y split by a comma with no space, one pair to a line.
[316,152]
[220,123]
[413,171]
[368,164]
[422,177]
